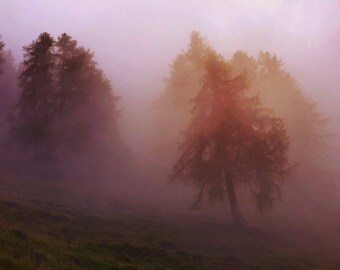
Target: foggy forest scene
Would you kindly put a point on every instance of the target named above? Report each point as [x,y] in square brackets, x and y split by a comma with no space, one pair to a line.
[139,135]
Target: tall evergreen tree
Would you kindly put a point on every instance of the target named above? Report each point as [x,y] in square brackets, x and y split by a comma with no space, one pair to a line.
[306,126]
[34,112]
[8,87]
[231,141]
[2,90]
[87,106]
[67,112]
[172,109]
[278,91]
[8,90]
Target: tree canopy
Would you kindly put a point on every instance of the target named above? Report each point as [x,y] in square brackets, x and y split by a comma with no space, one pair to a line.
[277,93]
[231,140]
[67,107]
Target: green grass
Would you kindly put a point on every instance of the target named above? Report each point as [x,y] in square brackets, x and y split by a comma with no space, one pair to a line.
[43,226]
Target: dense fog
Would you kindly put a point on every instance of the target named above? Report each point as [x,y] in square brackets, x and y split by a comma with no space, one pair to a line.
[141,68]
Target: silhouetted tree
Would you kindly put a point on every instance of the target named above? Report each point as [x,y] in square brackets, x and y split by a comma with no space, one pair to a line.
[278,91]
[33,115]
[186,69]
[2,45]
[243,63]
[231,141]
[87,109]
[8,89]
[67,111]
[306,126]
[172,109]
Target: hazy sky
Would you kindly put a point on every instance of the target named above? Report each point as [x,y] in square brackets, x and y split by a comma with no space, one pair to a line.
[135,40]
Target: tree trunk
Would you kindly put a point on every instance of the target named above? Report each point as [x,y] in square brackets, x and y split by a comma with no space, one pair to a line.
[235,210]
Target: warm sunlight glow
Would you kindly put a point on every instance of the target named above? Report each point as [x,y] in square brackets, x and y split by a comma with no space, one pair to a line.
[170,135]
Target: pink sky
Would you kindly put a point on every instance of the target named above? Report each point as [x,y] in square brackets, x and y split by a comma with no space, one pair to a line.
[135,41]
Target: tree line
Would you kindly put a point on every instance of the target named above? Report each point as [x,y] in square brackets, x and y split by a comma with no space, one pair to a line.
[66,107]
[242,121]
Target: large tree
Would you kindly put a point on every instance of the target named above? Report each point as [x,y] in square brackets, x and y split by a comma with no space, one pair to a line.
[276,89]
[231,141]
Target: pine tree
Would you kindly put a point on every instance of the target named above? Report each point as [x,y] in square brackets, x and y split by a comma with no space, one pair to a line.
[67,112]
[306,126]
[231,141]
[87,106]
[8,90]
[278,91]
[172,109]
[2,90]
[33,115]
[2,45]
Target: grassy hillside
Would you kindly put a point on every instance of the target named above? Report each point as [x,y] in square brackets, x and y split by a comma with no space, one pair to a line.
[43,225]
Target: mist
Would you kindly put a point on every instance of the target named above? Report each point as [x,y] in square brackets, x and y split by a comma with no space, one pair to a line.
[115,165]
[141,39]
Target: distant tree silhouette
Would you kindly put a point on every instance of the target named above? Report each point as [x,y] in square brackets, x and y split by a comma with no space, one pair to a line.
[8,90]
[305,124]
[278,91]
[33,115]
[2,105]
[231,141]
[2,45]
[67,109]
[307,127]
[87,110]
[172,109]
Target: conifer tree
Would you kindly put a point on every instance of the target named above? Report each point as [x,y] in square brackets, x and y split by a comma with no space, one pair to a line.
[8,90]
[2,45]
[33,115]
[172,109]
[306,126]
[87,106]
[231,141]
[67,111]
